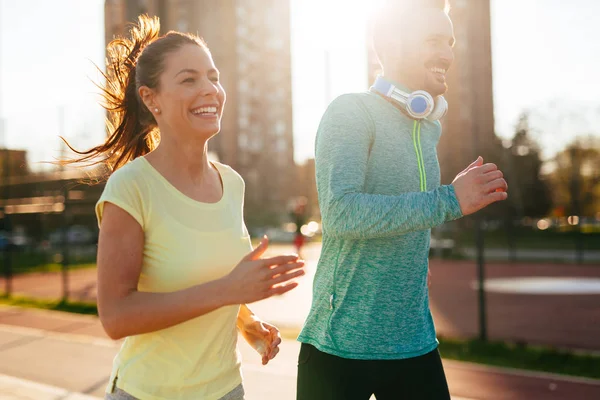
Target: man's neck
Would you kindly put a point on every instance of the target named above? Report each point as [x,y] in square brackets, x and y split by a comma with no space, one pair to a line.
[398,81]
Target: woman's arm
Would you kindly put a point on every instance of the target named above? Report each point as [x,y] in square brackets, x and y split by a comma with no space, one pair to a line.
[124,311]
[263,337]
[245,317]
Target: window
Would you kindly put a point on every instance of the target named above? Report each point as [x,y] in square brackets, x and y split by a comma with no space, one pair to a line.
[243,140]
[280,128]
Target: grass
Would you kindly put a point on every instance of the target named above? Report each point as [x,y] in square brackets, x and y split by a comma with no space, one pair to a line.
[521,356]
[500,354]
[51,268]
[67,306]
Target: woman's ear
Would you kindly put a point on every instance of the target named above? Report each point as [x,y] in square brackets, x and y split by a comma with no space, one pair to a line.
[148,98]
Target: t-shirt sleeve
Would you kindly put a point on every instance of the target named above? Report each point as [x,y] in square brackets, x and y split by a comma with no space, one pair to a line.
[122,190]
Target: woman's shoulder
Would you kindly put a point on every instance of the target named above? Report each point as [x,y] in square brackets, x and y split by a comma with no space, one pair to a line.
[131,174]
[228,171]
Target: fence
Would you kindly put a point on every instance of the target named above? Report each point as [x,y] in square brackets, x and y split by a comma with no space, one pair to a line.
[51,255]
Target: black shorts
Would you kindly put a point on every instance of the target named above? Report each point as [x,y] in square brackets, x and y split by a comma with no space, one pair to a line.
[322,376]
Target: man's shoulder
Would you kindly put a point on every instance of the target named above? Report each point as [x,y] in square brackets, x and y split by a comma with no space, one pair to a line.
[352,101]
[350,107]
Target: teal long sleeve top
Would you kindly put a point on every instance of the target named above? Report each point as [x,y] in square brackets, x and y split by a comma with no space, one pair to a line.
[378,182]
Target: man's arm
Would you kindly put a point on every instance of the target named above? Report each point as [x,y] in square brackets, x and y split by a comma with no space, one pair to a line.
[342,149]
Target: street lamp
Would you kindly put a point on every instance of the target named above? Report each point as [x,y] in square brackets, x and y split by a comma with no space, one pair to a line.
[476,39]
[6,192]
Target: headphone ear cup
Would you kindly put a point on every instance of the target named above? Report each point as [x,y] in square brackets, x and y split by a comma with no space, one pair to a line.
[419,104]
[439,110]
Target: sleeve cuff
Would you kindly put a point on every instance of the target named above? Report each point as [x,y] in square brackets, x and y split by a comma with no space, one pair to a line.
[127,208]
[453,210]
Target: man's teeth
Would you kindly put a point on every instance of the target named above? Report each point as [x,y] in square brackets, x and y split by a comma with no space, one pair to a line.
[205,110]
[438,70]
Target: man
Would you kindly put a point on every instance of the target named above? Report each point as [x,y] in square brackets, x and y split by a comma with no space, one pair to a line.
[370,330]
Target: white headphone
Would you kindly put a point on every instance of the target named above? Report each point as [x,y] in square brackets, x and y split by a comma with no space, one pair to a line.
[418,104]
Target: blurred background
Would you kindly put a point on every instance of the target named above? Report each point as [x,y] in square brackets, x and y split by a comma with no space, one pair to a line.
[523,93]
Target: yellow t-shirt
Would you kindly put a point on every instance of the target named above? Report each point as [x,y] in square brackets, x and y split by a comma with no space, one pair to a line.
[186,243]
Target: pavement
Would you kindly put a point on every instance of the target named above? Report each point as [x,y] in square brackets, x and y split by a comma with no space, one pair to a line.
[51,355]
[55,355]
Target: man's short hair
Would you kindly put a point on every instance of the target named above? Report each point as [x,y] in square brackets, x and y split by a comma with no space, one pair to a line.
[395,12]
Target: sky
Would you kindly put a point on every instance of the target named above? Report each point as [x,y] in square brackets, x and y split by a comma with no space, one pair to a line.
[544,60]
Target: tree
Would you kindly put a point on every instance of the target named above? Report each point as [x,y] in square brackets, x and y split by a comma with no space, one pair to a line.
[575,176]
[530,193]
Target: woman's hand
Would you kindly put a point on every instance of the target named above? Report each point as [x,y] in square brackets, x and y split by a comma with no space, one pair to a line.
[262,337]
[256,278]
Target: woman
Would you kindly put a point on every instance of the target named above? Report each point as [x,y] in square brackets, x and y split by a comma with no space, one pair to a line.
[172,234]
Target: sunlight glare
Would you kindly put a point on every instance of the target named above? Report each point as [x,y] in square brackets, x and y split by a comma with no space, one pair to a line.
[329,58]
[344,17]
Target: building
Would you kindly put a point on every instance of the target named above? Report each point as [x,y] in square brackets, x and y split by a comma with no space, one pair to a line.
[250,44]
[13,163]
[468,128]
[39,204]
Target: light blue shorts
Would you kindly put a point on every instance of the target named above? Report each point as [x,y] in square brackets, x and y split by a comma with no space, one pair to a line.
[118,394]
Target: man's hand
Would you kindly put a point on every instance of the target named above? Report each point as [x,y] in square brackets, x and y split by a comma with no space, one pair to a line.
[478,186]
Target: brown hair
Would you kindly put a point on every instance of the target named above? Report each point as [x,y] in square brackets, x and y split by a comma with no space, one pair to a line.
[131,63]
